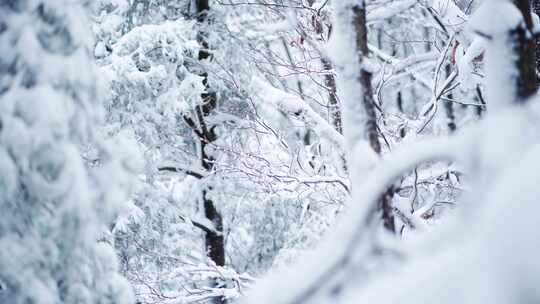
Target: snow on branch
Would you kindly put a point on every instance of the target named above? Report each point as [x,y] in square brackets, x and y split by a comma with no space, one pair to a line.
[195,173]
[292,104]
[334,258]
[406,65]
[233,285]
[389,10]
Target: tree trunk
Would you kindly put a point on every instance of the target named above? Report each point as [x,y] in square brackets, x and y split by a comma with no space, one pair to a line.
[333,102]
[214,239]
[449,106]
[525,48]
[365,77]
[536,9]
[202,7]
[330,84]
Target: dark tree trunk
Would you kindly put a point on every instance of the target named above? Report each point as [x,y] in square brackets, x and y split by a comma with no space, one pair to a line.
[525,49]
[449,106]
[202,6]
[479,99]
[214,239]
[333,101]
[215,244]
[365,77]
[399,102]
[330,83]
[536,9]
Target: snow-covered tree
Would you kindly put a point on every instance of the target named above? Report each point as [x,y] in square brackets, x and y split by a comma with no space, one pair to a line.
[62,184]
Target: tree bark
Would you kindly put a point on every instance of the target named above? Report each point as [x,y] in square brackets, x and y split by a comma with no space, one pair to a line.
[524,46]
[215,245]
[333,101]
[536,9]
[214,239]
[330,84]
[449,106]
[202,6]
[365,77]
